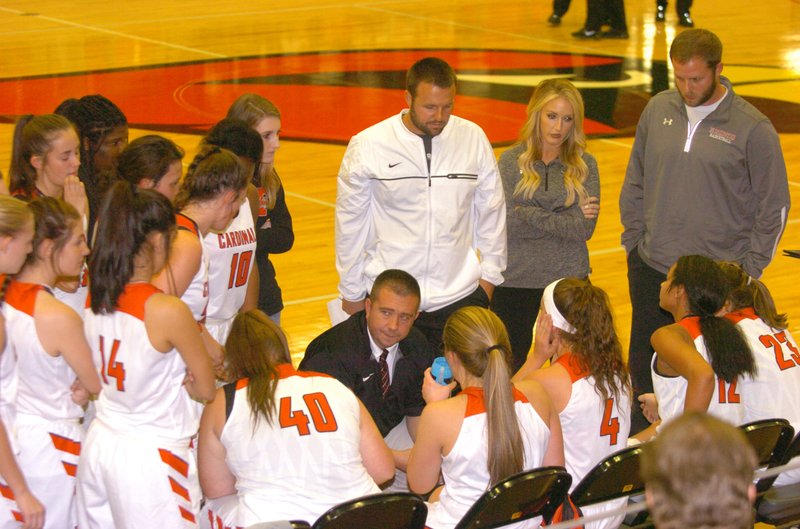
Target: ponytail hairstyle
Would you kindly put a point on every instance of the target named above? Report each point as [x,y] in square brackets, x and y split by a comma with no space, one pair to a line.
[128,216]
[480,341]
[594,344]
[239,138]
[252,108]
[707,291]
[748,291]
[212,172]
[54,220]
[14,216]
[33,136]
[571,150]
[148,157]
[255,348]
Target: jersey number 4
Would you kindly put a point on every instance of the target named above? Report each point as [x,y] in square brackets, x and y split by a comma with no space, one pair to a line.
[610,425]
[113,369]
[775,341]
[317,406]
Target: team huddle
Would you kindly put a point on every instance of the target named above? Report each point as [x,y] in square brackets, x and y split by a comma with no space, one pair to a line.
[145,378]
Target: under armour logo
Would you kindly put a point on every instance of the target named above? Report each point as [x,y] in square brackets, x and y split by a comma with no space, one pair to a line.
[667,121]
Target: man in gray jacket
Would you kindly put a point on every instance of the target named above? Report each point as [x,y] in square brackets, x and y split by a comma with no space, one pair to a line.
[706,176]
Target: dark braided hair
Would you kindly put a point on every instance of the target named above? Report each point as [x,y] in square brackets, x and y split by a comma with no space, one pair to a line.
[94,117]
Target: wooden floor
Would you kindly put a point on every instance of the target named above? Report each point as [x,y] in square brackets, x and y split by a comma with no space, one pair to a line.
[51,50]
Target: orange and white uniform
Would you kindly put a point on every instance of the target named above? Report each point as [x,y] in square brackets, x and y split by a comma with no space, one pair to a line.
[299,466]
[466,475]
[775,390]
[196,295]
[46,430]
[593,428]
[231,256]
[137,467]
[726,402]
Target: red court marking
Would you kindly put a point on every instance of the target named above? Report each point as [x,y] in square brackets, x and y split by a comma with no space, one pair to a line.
[191,97]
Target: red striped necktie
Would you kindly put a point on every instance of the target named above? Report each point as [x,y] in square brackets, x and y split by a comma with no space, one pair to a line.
[384,369]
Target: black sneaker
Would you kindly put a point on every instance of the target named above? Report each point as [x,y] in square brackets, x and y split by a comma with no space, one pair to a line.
[584,33]
[614,34]
[685,20]
[554,20]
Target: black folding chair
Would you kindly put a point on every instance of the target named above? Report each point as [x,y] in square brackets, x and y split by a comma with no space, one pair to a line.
[525,495]
[398,510]
[616,476]
[770,438]
[780,506]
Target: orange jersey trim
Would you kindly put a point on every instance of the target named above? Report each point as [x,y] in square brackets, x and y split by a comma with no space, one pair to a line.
[748,313]
[284,371]
[22,296]
[692,326]
[570,362]
[134,297]
[476,404]
[185,223]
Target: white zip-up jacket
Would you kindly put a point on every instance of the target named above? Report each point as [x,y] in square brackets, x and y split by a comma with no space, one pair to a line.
[446,227]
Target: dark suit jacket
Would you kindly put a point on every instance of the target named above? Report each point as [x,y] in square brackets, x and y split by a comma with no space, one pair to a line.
[343,352]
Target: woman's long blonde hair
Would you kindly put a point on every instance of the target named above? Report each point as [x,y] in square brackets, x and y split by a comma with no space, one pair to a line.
[252,108]
[571,150]
[480,341]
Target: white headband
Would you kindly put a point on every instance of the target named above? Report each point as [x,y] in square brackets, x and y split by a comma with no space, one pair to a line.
[550,308]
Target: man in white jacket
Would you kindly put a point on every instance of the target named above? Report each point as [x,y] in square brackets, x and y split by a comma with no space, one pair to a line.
[420,192]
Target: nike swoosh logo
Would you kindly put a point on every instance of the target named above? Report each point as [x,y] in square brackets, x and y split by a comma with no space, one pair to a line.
[392,165]
[364,379]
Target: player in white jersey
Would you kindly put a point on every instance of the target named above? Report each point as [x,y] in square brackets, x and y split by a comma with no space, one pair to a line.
[281,444]
[726,399]
[208,199]
[700,359]
[232,284]
[774,391]
[46,338]
[587,379]
[137,468]
[486,433]
[16,238]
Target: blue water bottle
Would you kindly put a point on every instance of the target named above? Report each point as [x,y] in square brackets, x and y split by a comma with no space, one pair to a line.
[440,370]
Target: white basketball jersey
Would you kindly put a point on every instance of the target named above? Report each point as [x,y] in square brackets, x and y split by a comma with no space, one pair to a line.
[196,296]
[775,390]
[307,460]
[231,257]
[44,380]
[593,429]
[8,380]
[143,392]
[726,402]
[466,475]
